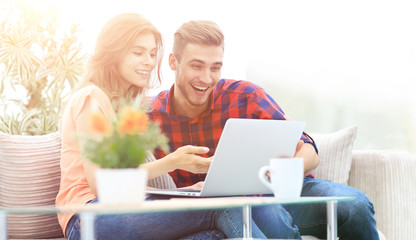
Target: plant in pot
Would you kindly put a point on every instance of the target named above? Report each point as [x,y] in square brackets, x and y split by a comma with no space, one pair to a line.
[41,60]
[119,147]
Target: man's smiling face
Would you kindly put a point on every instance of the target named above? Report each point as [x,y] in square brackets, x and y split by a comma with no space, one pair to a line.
[196,73]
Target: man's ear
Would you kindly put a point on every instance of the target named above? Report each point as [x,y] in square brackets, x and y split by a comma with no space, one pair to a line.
[172,61]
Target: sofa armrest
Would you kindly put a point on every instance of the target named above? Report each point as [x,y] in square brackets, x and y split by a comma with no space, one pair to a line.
[388,178]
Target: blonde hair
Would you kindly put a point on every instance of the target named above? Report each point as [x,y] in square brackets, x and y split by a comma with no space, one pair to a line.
[113,43]
[198,32]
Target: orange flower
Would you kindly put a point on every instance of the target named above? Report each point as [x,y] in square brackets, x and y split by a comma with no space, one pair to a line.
[98,123]
[133,121]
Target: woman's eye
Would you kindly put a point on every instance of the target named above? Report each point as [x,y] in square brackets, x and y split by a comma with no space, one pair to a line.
[137,53]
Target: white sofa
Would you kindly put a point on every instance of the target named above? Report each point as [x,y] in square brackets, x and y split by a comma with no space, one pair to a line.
[387,177]
[29,176]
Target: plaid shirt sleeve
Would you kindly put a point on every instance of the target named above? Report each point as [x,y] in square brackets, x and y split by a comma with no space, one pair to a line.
[265,107]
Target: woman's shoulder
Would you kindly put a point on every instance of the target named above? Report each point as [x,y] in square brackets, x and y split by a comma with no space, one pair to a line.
[90,90]
[89,93]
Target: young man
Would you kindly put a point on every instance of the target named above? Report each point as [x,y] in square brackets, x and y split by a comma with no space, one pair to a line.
[194,112]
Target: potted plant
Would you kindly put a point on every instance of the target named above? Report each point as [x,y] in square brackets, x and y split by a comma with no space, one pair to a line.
[119,147]
[41,60]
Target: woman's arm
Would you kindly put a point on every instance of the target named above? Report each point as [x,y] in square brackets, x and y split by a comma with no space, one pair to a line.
[186,158]
[84,129]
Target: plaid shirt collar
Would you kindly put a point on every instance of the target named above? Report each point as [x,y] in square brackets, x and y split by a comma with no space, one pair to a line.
[179,118]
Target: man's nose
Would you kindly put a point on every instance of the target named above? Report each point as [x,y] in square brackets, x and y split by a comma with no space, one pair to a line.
[206,77]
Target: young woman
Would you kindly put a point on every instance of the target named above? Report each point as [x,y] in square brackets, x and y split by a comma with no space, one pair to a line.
[127,54]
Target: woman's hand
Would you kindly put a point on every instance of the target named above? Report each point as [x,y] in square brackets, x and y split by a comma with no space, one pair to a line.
[187,158]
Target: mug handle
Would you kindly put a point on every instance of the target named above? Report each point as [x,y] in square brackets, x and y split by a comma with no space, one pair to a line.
[263,178]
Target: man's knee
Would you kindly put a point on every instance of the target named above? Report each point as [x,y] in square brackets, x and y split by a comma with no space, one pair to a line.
[360,209]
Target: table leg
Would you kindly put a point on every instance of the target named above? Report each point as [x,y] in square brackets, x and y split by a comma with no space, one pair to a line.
[331,209]
[247,228]
[87,225]
[3,225]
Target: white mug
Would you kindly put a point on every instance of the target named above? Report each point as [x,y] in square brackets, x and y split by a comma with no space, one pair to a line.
[286,177]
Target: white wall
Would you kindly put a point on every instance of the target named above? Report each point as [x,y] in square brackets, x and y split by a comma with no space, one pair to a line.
[334,64]
[330,63]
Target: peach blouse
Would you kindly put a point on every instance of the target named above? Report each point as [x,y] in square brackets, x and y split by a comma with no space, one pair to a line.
[74,187]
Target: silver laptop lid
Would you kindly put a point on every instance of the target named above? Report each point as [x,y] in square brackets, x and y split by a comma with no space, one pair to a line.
[245,146]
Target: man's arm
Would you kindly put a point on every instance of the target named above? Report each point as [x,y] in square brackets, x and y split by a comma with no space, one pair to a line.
[308,153]
[267,108]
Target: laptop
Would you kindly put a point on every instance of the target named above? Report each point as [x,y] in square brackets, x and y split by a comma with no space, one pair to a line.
[244,147]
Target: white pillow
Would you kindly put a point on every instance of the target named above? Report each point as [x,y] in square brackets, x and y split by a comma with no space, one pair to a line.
[30,176]
[335,154]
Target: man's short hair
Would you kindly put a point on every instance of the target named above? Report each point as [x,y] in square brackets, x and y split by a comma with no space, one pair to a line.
[200,32]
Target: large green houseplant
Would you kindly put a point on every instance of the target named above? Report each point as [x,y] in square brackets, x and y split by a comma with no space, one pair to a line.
[40,62]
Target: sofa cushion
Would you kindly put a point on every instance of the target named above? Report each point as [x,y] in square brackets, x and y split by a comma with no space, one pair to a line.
[29,176]
[335,154]
[388,178]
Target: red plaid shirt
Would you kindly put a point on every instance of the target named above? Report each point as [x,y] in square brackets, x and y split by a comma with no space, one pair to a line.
[229,99]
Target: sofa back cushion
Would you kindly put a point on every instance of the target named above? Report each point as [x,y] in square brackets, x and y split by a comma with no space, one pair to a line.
[388,179]
[30,176]
[335,154]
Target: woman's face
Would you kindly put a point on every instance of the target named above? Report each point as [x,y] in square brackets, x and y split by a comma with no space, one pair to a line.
[137,65]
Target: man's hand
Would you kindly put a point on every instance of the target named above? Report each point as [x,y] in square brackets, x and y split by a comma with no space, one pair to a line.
[187,158]
[197,185]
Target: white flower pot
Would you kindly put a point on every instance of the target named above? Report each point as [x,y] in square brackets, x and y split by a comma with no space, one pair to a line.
[121,185]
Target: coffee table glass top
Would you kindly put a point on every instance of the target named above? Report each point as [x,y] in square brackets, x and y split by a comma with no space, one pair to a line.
[174,204]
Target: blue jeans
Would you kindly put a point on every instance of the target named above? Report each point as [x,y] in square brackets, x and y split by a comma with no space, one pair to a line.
[355,218]
[275,222]
[209,224]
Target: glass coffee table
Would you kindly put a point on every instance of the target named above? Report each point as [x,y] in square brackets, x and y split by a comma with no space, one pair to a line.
[89,211]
